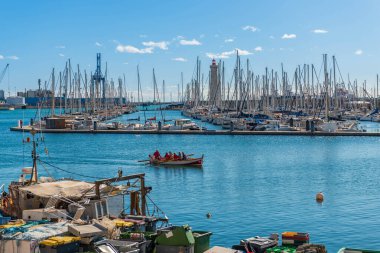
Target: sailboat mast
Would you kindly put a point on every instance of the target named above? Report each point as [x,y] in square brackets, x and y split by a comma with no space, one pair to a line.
[52,93]
[377,90]
[138,85]
[154,87]
[335,87]
[34,175]
[182,87]
[326,86]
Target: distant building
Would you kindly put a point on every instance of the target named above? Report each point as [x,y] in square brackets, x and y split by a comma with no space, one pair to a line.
[32,93]
[2,97]
[214,88]
[16,100]
[20,94]
[38,93]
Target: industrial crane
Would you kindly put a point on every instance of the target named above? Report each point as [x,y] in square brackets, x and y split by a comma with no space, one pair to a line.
[3,73]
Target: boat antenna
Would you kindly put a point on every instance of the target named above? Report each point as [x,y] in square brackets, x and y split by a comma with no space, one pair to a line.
[34,176]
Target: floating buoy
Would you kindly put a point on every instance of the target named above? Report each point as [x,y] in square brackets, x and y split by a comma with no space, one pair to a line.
[319,197]
[208,215]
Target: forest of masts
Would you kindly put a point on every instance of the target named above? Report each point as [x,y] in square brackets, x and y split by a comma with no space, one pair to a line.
[77,91]
[308,89]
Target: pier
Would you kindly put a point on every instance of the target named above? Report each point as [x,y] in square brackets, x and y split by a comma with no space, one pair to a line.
[196,132]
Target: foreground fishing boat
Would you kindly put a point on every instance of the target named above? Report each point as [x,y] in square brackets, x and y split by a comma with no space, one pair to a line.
[45,214]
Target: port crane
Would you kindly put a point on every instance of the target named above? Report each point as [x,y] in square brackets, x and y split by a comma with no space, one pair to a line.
[3,72]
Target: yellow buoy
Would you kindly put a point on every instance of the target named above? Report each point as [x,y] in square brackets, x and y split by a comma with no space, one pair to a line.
[319,197]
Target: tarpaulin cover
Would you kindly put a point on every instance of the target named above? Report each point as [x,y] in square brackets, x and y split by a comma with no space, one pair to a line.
[68,189]
[40,232]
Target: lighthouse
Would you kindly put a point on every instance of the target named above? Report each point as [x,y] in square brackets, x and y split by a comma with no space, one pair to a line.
[214,85]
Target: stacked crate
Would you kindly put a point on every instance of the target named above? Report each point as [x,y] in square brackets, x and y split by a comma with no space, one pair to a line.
[311,248]
[60,244]
[294,239]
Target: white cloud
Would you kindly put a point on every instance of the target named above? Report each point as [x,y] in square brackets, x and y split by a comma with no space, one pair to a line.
[288,36]
[62,55]
[160,44]
[227,54]
[258,49]
[179,37]
[242,52]
[13,57]
[192,42]
[229,40]
[98,44]
[179,59]
[60,46]
[133,50]
[359,52]
[223,55]
[320,31]
[1,57]
[250,28]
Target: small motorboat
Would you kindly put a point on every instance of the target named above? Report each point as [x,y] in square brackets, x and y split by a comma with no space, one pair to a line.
[350,250]
[176,162]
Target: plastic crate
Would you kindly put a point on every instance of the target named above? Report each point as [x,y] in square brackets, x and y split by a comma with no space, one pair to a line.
[281,249]
[260,244]
[4,220]
[63,248]
[174,249]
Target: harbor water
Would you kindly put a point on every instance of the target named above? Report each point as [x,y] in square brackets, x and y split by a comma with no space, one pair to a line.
[251,185]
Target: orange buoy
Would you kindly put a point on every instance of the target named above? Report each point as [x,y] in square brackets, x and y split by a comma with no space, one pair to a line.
[319,197]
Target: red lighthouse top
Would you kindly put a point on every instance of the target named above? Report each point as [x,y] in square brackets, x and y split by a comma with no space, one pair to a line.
[213,62]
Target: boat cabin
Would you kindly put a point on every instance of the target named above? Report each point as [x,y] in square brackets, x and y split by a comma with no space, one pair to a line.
[181,122]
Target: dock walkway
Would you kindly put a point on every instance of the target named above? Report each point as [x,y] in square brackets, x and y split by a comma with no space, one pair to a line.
[197,132]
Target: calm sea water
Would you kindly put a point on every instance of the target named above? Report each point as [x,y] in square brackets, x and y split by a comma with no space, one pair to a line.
[252,185]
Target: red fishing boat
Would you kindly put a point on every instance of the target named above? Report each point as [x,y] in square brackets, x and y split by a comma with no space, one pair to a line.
[176,161]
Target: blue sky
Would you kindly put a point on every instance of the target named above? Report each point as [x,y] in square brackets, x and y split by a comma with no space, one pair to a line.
[168,35]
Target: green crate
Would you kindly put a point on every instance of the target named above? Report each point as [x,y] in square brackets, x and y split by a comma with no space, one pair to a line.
[202,241]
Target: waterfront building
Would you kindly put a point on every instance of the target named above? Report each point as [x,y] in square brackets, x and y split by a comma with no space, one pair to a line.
[16,100]
[20,94]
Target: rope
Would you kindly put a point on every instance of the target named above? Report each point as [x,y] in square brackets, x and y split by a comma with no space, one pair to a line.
[47,171]
[78,174]
[155,205]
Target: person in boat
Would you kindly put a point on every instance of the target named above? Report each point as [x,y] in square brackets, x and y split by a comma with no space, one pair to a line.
[157,155]
[180,156]
[167,156]
[176,157]
[184,156]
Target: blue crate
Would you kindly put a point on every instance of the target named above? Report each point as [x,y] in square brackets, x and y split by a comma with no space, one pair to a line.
[4,220]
